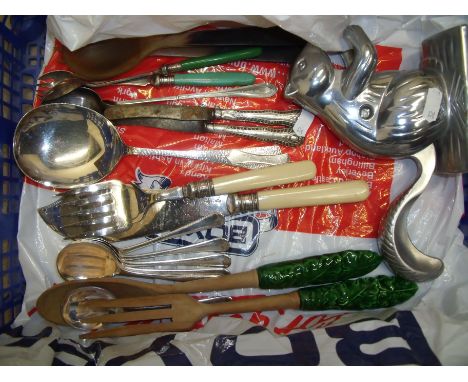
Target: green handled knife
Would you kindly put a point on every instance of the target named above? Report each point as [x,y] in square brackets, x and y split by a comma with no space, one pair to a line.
[154,77]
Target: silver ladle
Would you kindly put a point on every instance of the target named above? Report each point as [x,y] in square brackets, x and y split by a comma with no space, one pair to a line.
[66,146]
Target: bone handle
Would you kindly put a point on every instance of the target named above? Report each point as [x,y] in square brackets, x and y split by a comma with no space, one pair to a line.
[319,194]
[264,177]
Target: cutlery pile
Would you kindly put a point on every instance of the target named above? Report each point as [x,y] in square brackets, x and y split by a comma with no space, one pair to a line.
[72,142]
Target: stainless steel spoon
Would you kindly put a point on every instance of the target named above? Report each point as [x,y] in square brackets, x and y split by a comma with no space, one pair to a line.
[67,146]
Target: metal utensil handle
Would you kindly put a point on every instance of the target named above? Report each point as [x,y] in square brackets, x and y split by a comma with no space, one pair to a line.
[181,274]
[246,158]
[266,117]
[263,90]
[395,244]
[207,222]
[212,261]
[283,136]
[213,245]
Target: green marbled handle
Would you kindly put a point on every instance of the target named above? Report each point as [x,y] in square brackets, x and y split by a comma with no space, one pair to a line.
[221,58]
[321,269]
[364,293]
[214,79]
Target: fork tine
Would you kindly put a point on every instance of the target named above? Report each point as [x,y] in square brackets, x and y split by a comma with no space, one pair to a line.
[133,330]
[83,200]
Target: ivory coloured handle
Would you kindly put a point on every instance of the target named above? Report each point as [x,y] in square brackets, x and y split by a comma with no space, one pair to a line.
[319,194]
[264,177]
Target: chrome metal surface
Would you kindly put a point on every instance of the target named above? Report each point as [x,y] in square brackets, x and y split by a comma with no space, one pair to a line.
[395,244]
[446,54]
[385,119]
[67,146]
[394,114]
[262,90]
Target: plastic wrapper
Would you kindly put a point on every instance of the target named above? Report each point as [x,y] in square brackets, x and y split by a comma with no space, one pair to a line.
[428,329]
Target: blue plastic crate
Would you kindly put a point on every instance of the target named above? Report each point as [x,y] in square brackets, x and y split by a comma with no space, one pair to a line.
[22,41]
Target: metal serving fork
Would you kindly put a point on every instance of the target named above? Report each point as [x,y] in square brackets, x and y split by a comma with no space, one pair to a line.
[111,207]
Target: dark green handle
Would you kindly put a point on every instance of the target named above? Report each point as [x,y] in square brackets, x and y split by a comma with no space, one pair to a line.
[221,58]
[321,269]
[364,293]
[214,79]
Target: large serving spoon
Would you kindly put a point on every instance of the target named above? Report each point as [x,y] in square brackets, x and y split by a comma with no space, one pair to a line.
[66,146]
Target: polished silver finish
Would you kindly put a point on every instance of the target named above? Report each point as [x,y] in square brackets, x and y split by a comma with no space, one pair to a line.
[393,114]
[446,54]
[363,65]
[150,218]
[285,136]
[385,119]
[394,241]
[265,117]
[102,211]
[66,146]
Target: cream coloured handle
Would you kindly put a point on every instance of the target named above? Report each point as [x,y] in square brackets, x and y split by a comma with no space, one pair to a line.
[264,177]
[318,194]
